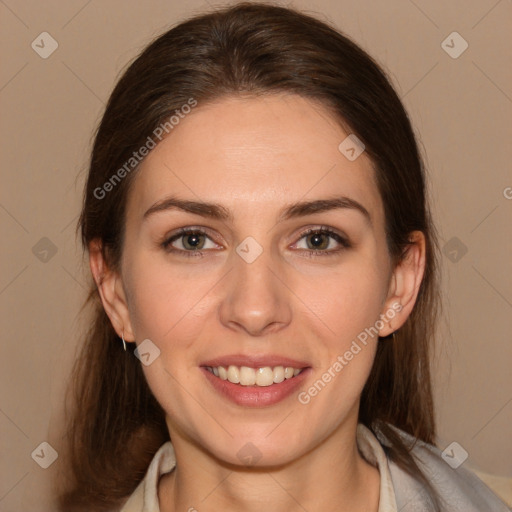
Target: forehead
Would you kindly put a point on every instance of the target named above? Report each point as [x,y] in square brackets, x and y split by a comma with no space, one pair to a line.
[260,152]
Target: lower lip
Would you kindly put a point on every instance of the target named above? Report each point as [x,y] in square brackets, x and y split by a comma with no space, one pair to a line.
[256,396]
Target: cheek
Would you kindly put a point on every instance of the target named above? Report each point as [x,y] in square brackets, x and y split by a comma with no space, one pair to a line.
[164,304]
[170,310]
[348,300]
[348,303]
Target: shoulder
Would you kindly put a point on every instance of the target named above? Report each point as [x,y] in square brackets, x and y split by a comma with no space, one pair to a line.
[459,489]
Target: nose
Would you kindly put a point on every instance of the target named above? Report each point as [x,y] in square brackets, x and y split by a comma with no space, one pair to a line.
[256,299]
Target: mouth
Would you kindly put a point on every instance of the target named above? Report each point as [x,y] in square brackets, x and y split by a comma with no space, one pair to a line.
[255,381]
[262,376]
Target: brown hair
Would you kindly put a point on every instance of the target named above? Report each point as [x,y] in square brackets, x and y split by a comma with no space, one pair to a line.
[116,424]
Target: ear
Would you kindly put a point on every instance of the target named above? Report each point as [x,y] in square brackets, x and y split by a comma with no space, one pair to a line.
[404,285]
[111,291]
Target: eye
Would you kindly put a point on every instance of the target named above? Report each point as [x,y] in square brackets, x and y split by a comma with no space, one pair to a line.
[322,242]
[189,242]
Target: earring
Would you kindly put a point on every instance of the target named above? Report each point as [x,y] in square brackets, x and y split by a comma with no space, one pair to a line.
[124,342]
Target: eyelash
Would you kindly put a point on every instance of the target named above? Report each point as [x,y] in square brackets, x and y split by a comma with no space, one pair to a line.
[324,230]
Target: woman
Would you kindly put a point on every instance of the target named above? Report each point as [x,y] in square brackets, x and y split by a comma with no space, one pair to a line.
[261,246]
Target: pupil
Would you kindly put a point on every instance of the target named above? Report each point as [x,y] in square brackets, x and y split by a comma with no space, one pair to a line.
[316,240]
[193,240]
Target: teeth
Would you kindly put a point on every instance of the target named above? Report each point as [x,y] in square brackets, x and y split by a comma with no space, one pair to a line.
[234,374]
[264,376]
[246,376]
[278,374]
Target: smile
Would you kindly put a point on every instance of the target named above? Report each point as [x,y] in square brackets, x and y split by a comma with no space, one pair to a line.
[247,376]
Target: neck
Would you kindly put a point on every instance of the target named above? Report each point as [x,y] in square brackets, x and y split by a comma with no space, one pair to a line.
[332,477]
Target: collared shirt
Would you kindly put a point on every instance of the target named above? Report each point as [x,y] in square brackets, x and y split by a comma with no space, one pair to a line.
[459,489]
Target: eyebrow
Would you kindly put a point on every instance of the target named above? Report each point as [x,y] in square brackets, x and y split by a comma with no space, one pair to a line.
[294,210]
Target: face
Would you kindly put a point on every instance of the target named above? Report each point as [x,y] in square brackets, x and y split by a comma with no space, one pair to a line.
[259,283]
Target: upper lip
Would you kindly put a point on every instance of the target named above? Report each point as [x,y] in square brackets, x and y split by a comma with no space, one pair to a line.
[254,361]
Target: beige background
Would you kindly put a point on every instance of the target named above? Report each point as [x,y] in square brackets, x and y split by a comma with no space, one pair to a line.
[461,107]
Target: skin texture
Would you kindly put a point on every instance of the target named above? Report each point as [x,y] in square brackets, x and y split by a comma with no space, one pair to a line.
[255,156]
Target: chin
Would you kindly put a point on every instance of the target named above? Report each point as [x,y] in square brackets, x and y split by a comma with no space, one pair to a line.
[260,449]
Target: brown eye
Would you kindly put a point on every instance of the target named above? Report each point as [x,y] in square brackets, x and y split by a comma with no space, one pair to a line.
[318,241]
[323,241]
[193,241]
[188,241]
